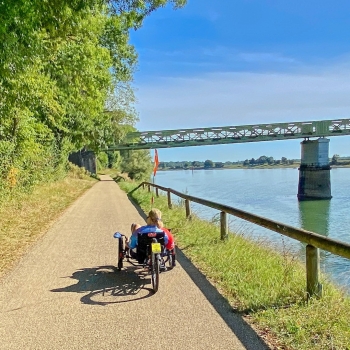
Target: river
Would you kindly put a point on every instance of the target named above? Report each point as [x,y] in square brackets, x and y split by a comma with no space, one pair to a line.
[272,193]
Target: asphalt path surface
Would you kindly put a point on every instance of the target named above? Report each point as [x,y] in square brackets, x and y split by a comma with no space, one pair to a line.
[66,293]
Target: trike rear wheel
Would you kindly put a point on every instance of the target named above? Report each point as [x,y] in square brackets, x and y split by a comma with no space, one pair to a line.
[155,272]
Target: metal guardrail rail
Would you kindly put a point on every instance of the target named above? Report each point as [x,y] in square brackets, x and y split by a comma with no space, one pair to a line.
[314,241]
[233,134]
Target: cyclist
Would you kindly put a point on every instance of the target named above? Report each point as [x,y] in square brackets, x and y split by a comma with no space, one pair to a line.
[154,224]
[132,251]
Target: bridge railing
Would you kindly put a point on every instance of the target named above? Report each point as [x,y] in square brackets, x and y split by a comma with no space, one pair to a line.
[313,241]
[233,134]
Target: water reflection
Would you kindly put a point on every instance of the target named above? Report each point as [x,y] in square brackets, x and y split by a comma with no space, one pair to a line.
[314,216]
[273,194]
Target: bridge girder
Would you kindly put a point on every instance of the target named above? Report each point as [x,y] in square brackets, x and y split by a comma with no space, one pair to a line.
[233,134]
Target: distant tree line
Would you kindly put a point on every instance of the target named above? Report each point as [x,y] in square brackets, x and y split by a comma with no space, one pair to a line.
[209,164]
[262,160]
[194,164]
[337,160]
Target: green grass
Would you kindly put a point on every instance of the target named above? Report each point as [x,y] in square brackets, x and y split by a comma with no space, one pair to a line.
[266,287]
[27,216]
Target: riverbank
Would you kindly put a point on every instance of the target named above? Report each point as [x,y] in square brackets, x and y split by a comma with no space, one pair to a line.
[264,166]
[267,288]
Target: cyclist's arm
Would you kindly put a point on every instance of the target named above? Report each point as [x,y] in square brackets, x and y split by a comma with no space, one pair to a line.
[166,238]
[133,241]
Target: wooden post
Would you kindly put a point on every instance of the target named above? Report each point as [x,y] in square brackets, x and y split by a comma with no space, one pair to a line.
[149,188]
[157,194]
[188,209]
[169,200]
[313,287]
[224,226]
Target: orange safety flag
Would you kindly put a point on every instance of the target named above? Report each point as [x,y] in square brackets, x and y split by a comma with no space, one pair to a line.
[156,162]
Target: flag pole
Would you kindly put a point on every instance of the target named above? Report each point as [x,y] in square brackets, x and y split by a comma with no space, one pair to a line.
[156,163]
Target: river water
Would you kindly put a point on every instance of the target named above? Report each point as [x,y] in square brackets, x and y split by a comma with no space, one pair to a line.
[272,193]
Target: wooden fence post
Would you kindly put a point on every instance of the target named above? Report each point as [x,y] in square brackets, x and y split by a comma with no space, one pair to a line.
[169,200]
[157,194]
[313,287]
[188,209]
[149,188]
[224,226]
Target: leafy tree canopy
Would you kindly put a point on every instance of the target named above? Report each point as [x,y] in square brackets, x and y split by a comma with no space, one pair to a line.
[66,68]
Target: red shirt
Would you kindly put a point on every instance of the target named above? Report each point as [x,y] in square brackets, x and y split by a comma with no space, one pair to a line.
[171,243]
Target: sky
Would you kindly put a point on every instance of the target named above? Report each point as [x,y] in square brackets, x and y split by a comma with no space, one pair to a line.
[243,62]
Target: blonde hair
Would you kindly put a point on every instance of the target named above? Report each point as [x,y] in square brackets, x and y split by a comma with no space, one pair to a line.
[134,227]
[155,218]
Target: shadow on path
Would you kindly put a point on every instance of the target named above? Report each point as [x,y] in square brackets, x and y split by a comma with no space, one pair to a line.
[106,285]
[234,321]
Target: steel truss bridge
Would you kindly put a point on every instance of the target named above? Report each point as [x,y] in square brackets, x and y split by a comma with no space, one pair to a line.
[233,134]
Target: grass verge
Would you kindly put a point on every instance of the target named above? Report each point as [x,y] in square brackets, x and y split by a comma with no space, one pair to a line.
[26,218]
[266,287]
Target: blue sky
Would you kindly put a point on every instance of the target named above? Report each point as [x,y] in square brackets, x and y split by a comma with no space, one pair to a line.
[241,62]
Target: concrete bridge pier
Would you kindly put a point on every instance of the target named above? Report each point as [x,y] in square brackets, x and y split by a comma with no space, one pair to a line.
[314,171]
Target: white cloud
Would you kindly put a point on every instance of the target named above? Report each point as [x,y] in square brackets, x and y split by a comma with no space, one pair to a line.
[242,98]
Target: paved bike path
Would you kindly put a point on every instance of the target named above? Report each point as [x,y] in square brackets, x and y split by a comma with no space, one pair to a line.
[65,293]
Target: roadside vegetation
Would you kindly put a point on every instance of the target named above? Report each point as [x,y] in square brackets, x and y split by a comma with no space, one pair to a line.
[25,217]
[265,286]
[66,72]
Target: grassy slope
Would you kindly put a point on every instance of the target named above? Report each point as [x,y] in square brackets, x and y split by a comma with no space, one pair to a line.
[23,220]
[266,287]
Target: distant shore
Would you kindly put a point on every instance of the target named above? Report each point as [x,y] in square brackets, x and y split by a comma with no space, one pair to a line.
[287,166]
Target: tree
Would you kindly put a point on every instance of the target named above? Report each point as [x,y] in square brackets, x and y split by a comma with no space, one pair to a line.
[139,10]
[137,164]
[261,160]
[270,160]
[208,164]
[335,159]
[63,64]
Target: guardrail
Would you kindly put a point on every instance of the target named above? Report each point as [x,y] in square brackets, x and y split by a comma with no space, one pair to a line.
[314,241]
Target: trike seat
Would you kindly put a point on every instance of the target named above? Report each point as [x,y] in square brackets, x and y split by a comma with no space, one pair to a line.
[144,242]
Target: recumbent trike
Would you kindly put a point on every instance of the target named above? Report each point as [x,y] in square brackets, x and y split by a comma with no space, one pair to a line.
[150,252]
